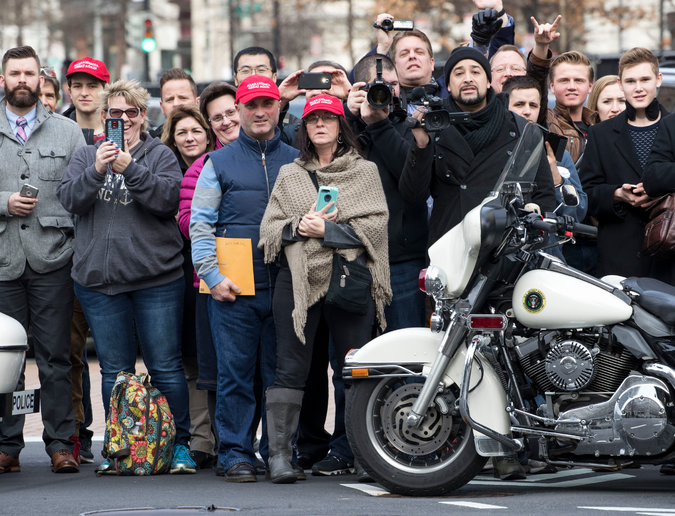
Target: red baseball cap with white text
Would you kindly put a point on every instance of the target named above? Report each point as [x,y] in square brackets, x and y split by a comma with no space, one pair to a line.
[255,86]
[90,66]
[324,102]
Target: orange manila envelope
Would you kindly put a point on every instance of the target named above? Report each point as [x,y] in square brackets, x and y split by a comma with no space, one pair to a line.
[235,260]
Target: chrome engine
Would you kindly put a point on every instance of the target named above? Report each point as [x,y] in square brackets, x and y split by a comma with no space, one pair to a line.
[569,362]
[634,421]
[594,392]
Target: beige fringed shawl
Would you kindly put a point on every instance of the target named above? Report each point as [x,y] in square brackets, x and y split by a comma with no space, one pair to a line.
[361,204]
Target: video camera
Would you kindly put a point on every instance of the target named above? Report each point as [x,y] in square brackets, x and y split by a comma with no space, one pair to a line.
[437,118]
[380,92]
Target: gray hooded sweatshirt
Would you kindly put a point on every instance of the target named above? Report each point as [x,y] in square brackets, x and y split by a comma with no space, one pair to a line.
[126,235]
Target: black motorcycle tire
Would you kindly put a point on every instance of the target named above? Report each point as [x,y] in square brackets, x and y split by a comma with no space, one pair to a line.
[453,464]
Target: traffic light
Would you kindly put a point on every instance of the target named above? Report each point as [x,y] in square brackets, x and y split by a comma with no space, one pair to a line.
[148,44]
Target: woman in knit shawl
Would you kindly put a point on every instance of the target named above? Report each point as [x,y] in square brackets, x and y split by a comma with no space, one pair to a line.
[304,240]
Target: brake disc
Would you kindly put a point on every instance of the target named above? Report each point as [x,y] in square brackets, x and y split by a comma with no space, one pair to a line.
[428,437]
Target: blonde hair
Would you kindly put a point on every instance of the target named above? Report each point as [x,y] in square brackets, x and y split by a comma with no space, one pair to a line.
[134,94]
[598,86]
[571,57]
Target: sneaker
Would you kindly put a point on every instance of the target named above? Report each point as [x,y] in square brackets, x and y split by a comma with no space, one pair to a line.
[332,465]
[86,456]
[105,468]
[182,461]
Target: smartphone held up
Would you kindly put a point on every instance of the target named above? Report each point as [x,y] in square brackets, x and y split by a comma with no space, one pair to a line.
[114,131]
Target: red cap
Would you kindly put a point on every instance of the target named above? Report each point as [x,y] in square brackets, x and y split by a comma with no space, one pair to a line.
[255,86]
[90,66]
[324,102]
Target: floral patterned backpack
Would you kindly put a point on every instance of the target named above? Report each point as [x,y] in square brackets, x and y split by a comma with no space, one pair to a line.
[140,430]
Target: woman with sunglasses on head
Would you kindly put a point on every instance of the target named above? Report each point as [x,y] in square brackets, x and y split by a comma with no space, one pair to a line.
[127,263]
[217,107]
[305,241]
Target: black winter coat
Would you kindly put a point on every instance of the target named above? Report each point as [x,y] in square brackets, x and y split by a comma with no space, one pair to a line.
[386,143]
[659,179]
[459,181]
[610,161]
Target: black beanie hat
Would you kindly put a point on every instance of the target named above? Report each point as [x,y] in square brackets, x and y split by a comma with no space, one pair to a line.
[461,53]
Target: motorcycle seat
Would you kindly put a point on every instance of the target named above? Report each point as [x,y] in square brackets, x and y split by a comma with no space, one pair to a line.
[655,296]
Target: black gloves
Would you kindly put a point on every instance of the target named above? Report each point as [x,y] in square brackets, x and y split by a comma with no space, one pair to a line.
[484,25]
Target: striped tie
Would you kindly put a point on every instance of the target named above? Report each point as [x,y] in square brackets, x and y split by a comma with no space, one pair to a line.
[20,132]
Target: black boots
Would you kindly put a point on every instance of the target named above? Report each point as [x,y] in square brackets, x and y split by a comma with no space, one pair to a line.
[283,412]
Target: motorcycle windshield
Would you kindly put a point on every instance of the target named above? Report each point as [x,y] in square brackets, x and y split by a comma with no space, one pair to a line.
[523,164]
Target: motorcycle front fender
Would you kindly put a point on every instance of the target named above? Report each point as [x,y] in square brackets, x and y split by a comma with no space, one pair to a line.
[419,347]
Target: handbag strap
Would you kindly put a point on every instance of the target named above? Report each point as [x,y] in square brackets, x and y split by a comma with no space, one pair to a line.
[312,176]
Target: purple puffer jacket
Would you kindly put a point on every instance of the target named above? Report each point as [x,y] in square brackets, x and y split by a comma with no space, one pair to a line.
[187,191]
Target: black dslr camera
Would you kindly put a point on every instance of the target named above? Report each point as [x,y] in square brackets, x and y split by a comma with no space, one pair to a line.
[437,117]
[380,92]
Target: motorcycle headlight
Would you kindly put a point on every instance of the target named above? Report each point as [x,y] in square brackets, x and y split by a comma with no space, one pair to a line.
[434,281]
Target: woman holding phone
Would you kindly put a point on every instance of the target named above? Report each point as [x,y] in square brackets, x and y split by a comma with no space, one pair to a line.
[305,240]
[127,264]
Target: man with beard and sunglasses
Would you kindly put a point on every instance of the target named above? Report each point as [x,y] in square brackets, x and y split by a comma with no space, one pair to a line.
[36,232]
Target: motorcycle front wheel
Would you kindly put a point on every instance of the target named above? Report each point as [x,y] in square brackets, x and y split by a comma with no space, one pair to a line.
[434,459]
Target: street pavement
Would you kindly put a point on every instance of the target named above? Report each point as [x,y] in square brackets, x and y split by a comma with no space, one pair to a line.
[36,491]
[579,491]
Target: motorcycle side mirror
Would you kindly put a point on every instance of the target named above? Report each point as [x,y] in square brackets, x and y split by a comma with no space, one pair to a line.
[570,197]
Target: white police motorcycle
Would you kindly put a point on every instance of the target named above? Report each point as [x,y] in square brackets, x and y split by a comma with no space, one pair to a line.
[524,352]
[13,347]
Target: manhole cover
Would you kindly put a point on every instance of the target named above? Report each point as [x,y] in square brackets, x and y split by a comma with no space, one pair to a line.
[153,511]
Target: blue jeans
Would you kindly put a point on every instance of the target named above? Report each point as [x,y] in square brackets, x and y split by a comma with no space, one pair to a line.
[243,333]
[407,305]
[150,318]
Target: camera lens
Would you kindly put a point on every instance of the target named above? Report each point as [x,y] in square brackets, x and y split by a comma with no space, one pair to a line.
[327,198]
[387,24]
[379,96]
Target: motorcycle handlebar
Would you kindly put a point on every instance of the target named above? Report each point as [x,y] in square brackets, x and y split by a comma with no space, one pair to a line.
[559,224]
[585,229]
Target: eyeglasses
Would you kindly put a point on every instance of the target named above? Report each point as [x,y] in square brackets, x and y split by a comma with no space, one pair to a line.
[260,70]
[314,119]
[229,114]
[512,68]
[117,113]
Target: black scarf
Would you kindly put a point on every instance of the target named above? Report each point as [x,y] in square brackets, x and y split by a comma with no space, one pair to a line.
[483,126]
[651,111]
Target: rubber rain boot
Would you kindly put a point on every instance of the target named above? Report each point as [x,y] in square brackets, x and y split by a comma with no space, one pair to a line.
[283,413]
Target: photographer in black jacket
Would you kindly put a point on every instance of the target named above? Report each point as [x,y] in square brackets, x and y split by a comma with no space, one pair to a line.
[385,140]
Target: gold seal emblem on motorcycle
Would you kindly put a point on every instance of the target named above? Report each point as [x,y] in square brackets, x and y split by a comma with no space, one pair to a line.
[534,301]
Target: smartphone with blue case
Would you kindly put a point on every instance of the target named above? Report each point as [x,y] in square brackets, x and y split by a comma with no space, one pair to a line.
[327,194]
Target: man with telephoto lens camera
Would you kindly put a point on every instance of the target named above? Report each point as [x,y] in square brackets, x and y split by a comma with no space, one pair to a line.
[461,163]
[374,110]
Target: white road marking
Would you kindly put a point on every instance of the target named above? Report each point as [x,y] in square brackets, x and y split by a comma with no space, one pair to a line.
[475,505]
[638,510]
[569,483]
[368,489]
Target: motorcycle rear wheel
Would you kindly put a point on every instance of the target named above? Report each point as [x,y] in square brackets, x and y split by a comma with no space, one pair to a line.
[432,460]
